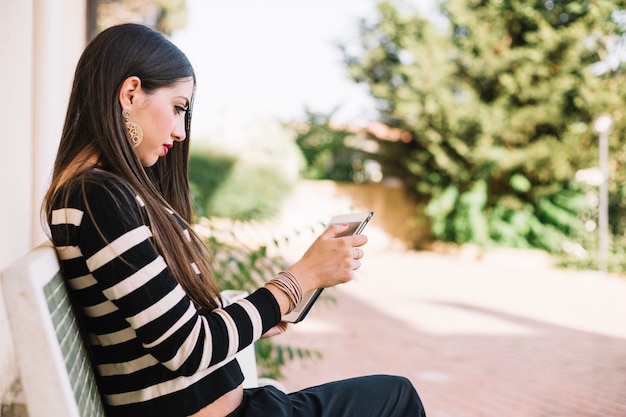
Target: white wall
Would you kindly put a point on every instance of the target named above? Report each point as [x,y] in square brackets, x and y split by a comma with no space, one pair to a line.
[40,42]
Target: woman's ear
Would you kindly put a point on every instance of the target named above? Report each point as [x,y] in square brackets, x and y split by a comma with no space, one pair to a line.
[129,92]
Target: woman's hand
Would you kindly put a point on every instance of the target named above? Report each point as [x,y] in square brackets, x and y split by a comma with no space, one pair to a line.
[280,328]
[330,260]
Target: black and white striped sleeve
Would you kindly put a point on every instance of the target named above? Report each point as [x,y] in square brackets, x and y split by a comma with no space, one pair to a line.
[116,242]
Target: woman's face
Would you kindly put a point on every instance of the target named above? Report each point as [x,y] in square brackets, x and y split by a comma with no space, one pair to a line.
[161,116]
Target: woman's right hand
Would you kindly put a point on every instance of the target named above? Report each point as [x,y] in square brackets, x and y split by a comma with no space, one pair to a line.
[330,260]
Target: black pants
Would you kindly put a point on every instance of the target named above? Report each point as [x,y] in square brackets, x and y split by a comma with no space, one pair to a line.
[369,396]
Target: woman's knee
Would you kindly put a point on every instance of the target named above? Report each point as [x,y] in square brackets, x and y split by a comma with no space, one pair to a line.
[394,382]
[408,401]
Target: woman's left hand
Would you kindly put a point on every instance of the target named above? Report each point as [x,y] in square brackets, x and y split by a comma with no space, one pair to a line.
[280,328]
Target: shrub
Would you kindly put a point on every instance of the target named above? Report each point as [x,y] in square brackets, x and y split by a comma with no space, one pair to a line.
[225,186]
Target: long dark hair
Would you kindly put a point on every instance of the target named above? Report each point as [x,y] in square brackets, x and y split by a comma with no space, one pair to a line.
[94,129]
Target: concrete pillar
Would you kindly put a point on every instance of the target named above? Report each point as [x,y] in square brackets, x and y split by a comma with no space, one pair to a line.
[16,50]
[47,103]
[16,28]
[59,38]
[40,42]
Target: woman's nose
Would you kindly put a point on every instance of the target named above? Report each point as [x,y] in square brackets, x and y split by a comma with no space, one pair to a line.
[179,134]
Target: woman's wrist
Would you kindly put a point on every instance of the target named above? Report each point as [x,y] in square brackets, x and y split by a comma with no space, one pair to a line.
[290,286]
[281,298]
[304,278]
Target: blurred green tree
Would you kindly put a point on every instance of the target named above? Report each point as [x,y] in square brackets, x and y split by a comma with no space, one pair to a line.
[163,15]
[332,152]
[498,106]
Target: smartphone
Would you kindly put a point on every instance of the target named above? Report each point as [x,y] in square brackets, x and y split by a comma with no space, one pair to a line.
[356,222]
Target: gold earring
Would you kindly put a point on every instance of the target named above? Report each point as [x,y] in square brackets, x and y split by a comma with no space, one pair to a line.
[135,132]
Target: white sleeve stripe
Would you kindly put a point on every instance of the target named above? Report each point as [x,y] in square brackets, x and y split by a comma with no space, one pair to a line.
[125,368]
[136,280]
[185,349]
[255,318]
[207,353]
[80,283]
[110,339]
[231,328]
[157,309]
[100,310]
[66,216]
[120,245]
[191,311]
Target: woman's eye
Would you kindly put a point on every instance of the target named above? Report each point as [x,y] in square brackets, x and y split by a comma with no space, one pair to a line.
[179,109]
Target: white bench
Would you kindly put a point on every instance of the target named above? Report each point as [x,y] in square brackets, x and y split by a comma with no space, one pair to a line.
[55,371]
[54,367]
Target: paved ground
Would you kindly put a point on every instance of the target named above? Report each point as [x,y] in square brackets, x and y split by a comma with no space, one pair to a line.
[502,336]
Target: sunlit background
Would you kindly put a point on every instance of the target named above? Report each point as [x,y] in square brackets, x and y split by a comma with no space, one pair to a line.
[268,60]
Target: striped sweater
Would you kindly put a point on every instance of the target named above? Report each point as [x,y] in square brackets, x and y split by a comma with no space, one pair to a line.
[154,354]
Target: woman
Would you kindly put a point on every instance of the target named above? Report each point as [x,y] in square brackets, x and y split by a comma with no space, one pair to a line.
[119,212]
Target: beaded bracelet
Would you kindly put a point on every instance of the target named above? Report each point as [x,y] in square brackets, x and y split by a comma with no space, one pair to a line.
[290,285]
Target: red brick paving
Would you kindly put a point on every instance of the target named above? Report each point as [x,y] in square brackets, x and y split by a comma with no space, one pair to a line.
[470,337]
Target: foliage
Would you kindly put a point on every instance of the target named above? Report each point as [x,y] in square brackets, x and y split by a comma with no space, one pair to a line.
[251,192]
[224,186]
[332,153]
[272,357]
[207,172]
[581,258]
[165,16]
[499,106]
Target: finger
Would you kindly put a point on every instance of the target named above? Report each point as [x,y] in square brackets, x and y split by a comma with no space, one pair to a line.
[335,229]
[280,328]
[356,240]
[332,231]
[358,253]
